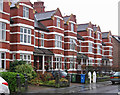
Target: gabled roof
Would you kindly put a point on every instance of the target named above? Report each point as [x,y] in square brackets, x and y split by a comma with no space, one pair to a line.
[45,15]
[13,2]
[82,27]
[79,37]
[39,25]
[66,18]
[105,35]
[95,28]
[117,38]
[69,18]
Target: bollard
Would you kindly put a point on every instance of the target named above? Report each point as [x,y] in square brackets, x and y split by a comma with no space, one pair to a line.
[57,80]
[18,82]
[26,82]
[68,78]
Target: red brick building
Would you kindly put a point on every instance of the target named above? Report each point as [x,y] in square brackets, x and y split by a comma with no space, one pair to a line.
[4,34]
[46,38]
[116,52]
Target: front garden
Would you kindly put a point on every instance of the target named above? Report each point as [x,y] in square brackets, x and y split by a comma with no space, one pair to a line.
[21,75]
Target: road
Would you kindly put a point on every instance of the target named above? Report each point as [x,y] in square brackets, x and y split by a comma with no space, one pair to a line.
[106,88]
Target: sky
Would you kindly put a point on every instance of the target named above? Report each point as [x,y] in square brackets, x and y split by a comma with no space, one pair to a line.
[100,12]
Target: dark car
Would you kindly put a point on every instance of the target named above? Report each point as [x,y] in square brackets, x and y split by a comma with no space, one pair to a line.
[63,74]
[115,77]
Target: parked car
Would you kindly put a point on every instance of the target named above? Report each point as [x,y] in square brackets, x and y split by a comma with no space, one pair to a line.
[115,77]
[62,73]
[4,89]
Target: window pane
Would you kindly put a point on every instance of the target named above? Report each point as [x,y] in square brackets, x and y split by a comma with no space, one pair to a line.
[25,38]
[25,30]
[29,39]
[1,5]
[25,57]
[2,55]
[29,57]
[21,37]
[21,30]
[21,56]
[3,64]
[29,32]
[3,26]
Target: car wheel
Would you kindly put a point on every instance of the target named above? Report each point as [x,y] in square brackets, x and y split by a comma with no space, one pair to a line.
[113,82]
[2,94]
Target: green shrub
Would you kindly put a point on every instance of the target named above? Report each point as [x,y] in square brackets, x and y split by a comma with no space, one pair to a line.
[14,64]
[26,69]
[10,77]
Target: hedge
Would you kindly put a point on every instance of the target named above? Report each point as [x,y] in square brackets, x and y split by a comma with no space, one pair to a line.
[10,77]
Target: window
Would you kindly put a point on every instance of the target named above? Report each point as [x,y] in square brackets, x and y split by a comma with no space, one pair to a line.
[42,40]
[58,62]
[110,39]
[65,63]
[58,41]
[98,35]
[58,22]
[90,61]
[80,45]
[90,33]
[1,5]
[98,49]
[72,44]
[72,27]
[110,51]
[103,52]
[14,56]
[90,47]
[72,63]
[2,60]
[25,35]
[25,57]
[34,38]
[99,62]
[2,31]
[25,12]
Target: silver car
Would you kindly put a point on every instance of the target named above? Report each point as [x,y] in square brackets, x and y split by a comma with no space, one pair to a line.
[4,89]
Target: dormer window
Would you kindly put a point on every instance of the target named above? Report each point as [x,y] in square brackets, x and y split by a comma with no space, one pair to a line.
[25,12]
[58,22]
[1,5]
[72,27]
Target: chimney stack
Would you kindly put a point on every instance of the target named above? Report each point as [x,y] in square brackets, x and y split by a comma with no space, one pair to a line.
[39,6]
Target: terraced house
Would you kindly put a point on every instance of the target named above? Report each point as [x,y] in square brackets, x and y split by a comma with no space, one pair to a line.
[48,39]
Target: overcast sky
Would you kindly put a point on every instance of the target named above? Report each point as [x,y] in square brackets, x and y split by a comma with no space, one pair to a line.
[100,12]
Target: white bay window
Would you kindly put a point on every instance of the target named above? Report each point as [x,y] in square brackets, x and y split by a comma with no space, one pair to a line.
[58,41]
[58,63]
[25,35]
[72,44]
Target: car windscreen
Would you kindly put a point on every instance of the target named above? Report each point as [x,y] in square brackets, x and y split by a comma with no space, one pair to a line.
[117,73]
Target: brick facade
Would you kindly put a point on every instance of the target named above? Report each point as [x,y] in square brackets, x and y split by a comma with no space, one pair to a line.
[47,38]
